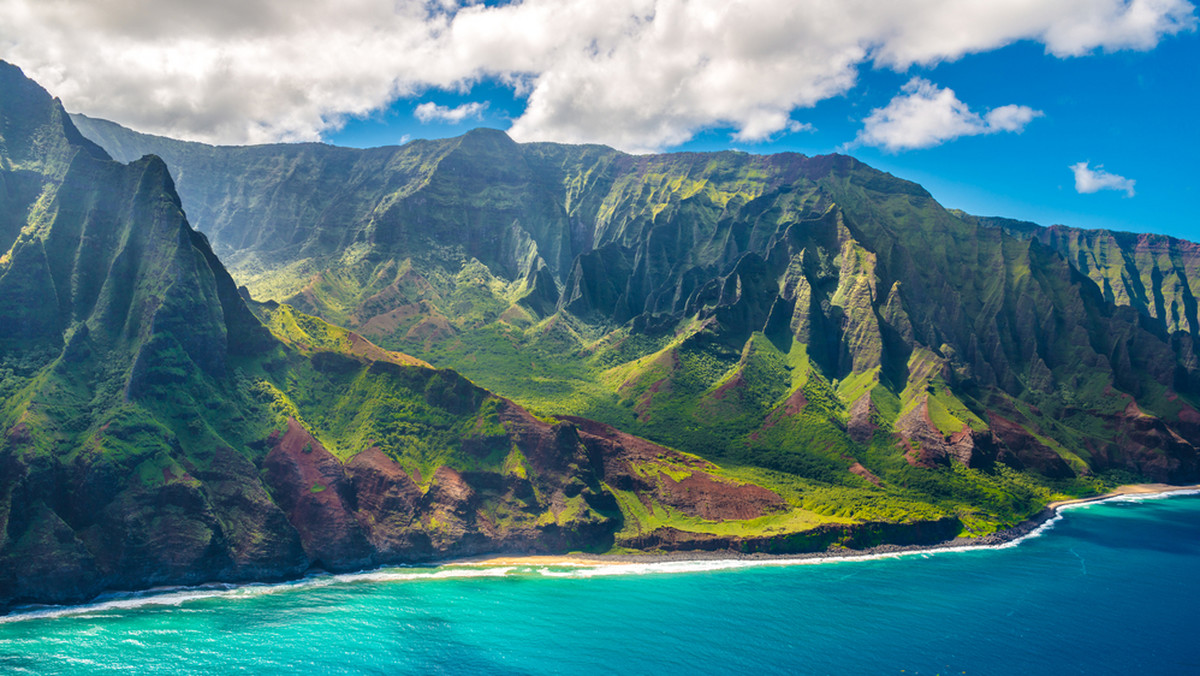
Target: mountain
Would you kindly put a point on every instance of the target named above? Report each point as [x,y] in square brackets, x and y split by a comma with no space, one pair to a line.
[809,316]
[259,200]
[699,351]
[158,427]
[1152,273]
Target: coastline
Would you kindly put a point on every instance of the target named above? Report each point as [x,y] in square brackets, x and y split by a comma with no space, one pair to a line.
[1128,489]
[587,564]
[997,539]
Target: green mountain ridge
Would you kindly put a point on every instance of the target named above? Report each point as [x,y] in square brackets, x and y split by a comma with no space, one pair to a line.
[157,427]
[716,350]
[808,315]
[1152,273]
[1139,268]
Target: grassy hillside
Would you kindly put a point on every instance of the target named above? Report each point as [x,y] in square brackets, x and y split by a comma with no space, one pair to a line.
[811,323]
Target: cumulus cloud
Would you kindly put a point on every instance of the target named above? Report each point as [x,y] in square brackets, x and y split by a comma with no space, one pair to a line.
[926,115]
[432,112]
[768,124]
[1010,118]
[636,74]
[1089,180]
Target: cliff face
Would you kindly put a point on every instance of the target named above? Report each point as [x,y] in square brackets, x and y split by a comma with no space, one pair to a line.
[1153,274]
[109,296]
[618,235]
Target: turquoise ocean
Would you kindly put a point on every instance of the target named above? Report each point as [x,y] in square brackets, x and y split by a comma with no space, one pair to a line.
[1105,588]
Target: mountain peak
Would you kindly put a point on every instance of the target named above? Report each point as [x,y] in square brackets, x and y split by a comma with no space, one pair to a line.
[35,132]
[488,140]
[487,132]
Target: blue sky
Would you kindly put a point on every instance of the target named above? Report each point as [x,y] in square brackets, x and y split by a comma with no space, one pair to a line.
[1135,113]
[1057,111]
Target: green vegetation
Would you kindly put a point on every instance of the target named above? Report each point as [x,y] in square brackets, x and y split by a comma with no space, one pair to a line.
[815,346]
[641,519]
[813,319]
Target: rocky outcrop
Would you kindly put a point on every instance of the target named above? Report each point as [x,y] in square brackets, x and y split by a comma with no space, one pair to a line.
[700,494]
[632,463]
[929,447]
[263,543]
[861,424]
[76,529]
[312,489]
[1025,451]
[1147,443]
[388,503]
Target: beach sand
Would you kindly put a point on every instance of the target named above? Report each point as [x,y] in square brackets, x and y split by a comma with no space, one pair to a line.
[534,560]
[1130,489]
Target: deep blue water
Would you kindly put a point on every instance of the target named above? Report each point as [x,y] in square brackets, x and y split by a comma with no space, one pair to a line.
[1109,588]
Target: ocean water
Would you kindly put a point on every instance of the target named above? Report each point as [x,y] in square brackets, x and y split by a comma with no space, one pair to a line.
[1108,588]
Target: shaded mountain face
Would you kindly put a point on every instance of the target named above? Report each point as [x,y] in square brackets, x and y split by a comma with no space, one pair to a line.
[1154,274]
[806,315]
[295,205]
[158,428]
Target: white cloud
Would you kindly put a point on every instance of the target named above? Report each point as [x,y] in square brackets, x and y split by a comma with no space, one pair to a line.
[1010,118]
[768,124]
[926,115]
[1094,180]
[636,74]
[432,112]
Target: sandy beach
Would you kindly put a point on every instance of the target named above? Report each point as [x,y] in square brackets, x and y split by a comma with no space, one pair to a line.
[1130,489]
[995,539]
[533,560]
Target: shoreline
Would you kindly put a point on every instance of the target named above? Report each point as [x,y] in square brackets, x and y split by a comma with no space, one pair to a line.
[173,595]
[1127,489]
[997,539]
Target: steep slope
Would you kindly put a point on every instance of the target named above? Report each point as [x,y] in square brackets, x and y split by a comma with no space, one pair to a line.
[158,428]
[582,198]
[293,209]
[811,325]
[703,299]
[567,200]
[1153,274]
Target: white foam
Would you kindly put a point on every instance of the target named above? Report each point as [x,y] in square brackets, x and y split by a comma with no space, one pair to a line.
[1134,497]
[177,596]
[163,596]
[441,573]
